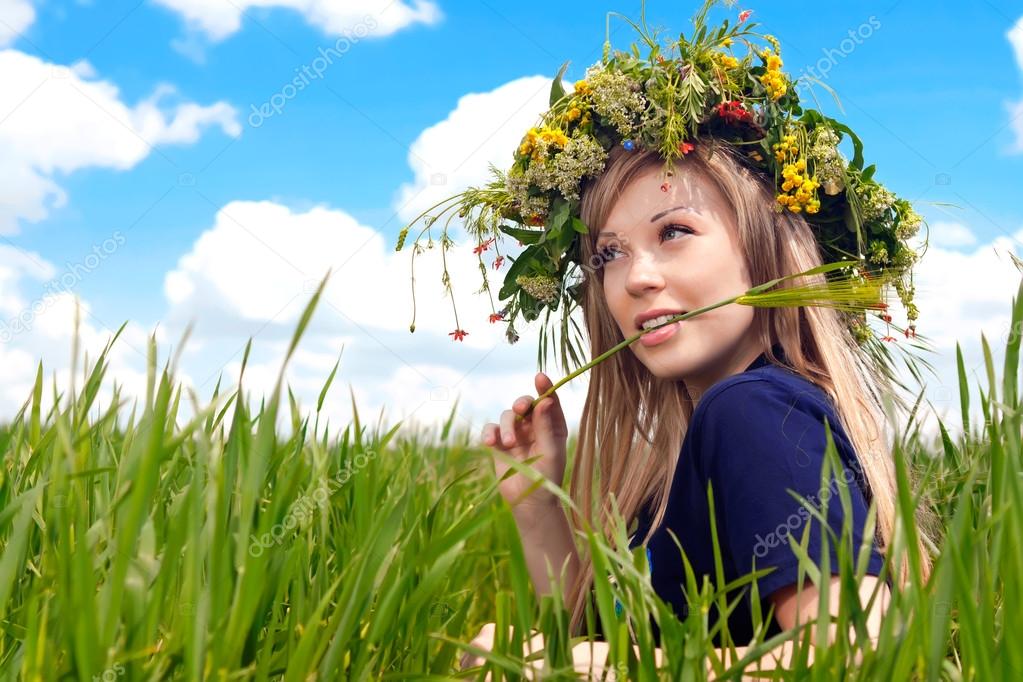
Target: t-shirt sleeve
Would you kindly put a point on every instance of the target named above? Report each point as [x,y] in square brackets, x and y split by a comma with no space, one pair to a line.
[756,440]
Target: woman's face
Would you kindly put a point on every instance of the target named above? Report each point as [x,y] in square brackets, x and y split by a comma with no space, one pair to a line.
[675,251]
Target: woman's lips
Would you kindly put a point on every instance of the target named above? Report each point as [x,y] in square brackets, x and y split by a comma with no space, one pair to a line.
[660,335]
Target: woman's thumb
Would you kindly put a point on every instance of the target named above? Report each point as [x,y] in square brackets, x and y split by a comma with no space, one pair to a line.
[543,383]
[549,407]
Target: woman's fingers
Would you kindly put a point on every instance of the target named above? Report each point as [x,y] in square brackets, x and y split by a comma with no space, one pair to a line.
[522,404]
[491,433]
[514,432]
[483,640]
[515,428]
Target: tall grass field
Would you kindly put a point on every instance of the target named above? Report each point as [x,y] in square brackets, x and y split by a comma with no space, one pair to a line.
[262,541]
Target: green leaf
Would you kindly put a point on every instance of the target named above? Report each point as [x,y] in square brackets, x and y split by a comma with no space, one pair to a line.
[326,386]
[557,89]
[522,234]
[518,267]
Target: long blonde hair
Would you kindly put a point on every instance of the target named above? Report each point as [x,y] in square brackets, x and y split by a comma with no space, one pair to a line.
[633,424]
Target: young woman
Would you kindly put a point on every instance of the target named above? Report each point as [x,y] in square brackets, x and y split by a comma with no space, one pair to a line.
[736,397]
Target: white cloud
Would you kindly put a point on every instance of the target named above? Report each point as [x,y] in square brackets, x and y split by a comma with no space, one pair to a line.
[420,395]
[1015,36]
[483,128]
[59,119]
[256,267]
[218,20]
[15,17]
[37,324]
[951,235]
[262,261]
[961,294]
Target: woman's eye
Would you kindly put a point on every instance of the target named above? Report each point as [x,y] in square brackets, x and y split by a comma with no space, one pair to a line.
[608,252]
[674,227]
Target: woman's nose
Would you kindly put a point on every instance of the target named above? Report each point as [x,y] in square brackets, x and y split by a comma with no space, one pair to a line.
[644,275]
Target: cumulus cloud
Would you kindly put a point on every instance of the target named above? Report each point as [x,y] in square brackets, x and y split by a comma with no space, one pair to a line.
[951,235]
[15,17]
[482,129]
[961,293]
[261,261]
[218,20]
[60,119]
[37,324]
[256,269]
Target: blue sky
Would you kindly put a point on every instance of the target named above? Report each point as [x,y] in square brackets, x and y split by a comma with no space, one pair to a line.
[932,92]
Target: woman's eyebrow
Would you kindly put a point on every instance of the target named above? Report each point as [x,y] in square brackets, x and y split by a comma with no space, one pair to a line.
[677,208]
[688,209]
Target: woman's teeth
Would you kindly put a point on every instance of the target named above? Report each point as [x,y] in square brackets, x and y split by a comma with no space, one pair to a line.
[658,320]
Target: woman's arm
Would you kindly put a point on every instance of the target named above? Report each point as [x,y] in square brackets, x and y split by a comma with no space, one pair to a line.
[546,536]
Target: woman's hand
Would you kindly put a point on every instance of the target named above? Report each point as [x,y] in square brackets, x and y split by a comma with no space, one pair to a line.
[485,640]
[586,657]
[542,432]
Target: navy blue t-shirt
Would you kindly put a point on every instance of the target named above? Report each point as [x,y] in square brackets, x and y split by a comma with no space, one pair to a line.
[753,436]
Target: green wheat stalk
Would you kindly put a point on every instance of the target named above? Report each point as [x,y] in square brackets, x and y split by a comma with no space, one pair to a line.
[848,294]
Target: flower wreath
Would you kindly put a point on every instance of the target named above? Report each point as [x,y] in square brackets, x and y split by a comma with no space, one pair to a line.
[688,89]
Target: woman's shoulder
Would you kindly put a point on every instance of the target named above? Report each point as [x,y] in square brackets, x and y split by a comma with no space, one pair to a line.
[762,390]
[761,415]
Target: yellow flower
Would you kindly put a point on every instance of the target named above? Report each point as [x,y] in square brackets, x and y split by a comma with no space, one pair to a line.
[773,79]
[727,42]
[554,137]
[798,190]
[582,87]
[572,114]
[729,62]
[528,142]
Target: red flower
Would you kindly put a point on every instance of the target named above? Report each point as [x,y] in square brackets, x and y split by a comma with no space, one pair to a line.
[483,247]
[888,338]
[744,15]
[734,112]
[910,331]
[498,262]
[686,147]
[459,334]
[496,317]
[886,317]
